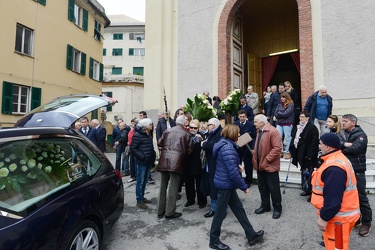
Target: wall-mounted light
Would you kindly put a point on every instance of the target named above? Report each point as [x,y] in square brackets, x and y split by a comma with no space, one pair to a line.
[283,52]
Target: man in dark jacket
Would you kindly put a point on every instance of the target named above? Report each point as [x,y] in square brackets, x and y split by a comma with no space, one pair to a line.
[354,146]
[244,152]
[88,131]
[273,102]
[247,108]
[100,134]
[122,143]
[142,148]
[116,135]
[164,123]
[319,106]
[176,145]
[214,128]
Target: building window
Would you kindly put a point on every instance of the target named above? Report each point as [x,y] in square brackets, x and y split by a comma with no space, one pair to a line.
[96,70]
[109,94]
[138,71]
[18,99]
[24,40]
[97,34]
[42,2]
[117,52]
[116,71]
[76,60]
[104,52]
[136,52]
[78,15]
[137,36]
[118,36]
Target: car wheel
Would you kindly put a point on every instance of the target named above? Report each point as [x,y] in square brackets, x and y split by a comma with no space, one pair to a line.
[87,236]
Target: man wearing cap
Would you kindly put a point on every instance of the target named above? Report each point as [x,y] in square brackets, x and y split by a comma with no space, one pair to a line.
[334,192]
[354,146]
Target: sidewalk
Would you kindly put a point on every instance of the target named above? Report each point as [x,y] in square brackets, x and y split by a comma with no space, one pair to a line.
[296,229]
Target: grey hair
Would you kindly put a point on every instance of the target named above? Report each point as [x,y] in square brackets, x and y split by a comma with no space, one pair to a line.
[215,121]
[144,123]
[95,121]
[262,118]
[351,118]
[181,119]
[323,87]
[273,87]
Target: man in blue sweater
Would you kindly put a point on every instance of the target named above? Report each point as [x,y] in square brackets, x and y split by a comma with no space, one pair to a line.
[319,106]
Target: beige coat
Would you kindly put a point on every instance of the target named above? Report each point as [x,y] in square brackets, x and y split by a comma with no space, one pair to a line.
[269,150]
[253,102]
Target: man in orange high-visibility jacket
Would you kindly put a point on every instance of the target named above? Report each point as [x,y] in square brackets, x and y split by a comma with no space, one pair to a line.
[334,192]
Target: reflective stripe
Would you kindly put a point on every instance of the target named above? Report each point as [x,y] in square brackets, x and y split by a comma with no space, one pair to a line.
[348,213]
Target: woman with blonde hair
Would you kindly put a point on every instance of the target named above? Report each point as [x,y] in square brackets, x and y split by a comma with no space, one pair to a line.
[284,114]
[227,180]
[333,124]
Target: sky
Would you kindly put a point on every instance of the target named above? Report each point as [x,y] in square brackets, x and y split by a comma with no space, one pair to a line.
[131,8]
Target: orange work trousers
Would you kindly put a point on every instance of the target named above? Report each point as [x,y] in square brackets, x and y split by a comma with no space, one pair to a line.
[329,235]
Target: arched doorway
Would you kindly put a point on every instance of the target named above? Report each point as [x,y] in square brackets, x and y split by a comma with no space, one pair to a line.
[268,27]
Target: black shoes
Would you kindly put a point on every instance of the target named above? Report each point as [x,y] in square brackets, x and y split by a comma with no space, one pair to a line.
[176,215]
[262,210]
[188,204]
[258,237]
[202,206]
[276,214]
[305,193]
[161,215]
[209,214]
[220,246]
[127,173]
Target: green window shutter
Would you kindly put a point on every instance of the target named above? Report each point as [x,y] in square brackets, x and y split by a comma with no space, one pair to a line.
[104,52]
[101,72]
[109,94]
[131,51]
[116,71]
[6,107]
[42,2]
[94,114]
[83,63]
[138,71]
[36,97]
[91,73]
[71,16]
[69,57]
[85,20]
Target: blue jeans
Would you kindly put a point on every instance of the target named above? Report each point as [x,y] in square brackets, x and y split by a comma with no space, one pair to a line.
[142,172]
[287,131]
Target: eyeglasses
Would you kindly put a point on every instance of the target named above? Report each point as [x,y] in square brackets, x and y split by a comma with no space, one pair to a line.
[209,125]
[193,127]
[302,116]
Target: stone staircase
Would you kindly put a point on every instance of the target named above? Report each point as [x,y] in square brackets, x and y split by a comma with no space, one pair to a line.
[294,177]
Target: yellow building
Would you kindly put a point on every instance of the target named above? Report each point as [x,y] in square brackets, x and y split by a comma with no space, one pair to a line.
[48,48]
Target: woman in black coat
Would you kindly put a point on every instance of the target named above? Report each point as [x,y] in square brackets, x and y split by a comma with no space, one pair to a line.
[304,149]
[193,172]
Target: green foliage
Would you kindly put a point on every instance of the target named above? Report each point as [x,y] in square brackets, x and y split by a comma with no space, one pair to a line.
[200,108]
[230,104]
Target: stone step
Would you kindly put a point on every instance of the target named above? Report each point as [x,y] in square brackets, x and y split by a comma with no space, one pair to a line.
[294,176]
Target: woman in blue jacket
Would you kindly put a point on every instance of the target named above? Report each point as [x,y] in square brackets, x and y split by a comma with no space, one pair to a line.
[227,179]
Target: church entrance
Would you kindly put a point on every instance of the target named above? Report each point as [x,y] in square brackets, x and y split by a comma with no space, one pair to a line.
[270,43]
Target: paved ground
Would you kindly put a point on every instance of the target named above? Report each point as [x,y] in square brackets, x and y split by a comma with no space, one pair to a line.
[296,229]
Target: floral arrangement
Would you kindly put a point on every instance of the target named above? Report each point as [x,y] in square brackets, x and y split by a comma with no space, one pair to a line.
[230,104]
[200,108]
[42,161]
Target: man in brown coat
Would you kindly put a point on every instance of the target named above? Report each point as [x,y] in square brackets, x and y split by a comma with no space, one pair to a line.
[176,145]
[266,161]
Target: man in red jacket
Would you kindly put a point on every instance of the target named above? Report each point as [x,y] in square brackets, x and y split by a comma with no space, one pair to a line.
[266,161]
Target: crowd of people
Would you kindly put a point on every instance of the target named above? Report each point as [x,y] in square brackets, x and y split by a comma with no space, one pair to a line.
[206,158]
